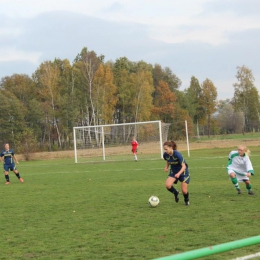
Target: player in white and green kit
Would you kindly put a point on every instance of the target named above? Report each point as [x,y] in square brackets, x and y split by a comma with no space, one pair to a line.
[240,168]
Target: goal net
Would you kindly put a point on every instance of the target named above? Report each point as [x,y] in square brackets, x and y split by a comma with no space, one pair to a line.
[113,142]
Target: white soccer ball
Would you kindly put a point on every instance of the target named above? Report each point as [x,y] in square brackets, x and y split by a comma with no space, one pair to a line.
[153,201]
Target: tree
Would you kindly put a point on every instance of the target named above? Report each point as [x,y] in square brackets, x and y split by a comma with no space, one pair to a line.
[104,94]
[125,81]
[208,101]
[21,85]
[192,104]
[229,120]
[27,143]
[164,103]
[246,98]
[12,117]
[142,89]
[192,99]
[47,79]
[88,63]
[177,129]
[166,75]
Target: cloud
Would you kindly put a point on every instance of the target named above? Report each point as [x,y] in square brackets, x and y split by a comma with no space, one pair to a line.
[12,54]
[113,8]
[190,50]
[238,7]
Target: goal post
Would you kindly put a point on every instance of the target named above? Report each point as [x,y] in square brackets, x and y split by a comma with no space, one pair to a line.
[113,142]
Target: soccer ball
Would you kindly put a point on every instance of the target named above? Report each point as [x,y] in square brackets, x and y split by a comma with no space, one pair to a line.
[153,201]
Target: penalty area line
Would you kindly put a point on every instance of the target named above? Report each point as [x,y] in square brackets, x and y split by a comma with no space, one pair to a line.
[248,257]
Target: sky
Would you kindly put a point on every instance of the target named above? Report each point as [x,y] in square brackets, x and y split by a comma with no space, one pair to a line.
[201,38]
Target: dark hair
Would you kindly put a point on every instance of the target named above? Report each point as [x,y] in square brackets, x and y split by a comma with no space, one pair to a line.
[171,144]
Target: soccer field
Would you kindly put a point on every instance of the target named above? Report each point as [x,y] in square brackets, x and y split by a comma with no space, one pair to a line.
[93,211]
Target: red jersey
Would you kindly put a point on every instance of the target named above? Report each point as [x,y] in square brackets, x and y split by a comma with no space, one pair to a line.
[134,144]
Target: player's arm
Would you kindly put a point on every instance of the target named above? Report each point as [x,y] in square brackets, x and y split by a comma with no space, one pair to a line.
[166,167]
[15,159]
[183,165]
[182,170]
[249,167]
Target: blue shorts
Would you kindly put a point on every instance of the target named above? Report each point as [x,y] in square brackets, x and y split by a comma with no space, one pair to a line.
[10,167]
[184,177]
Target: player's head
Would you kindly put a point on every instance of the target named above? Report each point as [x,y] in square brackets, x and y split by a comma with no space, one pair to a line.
[242,149]
[6,146]
[169,146]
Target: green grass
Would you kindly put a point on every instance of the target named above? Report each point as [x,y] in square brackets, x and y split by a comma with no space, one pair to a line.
[93,211]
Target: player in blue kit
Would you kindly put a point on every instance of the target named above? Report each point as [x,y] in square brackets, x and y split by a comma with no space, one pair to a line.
[178,171]
[9,163]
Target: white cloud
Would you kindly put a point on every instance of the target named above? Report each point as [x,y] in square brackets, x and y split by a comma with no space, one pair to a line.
[12,54]
[167,20]
[203,38]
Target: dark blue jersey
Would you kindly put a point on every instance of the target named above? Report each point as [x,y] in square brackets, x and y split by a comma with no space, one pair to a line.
[175,161]
[8,156]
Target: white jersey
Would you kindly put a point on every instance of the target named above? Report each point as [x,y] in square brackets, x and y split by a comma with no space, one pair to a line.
[239,164]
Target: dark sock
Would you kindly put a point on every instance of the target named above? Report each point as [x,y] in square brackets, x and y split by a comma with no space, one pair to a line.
[17,175]
[186,196]
[7,177]
[172,190]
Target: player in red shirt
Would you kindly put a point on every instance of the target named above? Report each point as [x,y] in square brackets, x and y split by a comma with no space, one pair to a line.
[134,148]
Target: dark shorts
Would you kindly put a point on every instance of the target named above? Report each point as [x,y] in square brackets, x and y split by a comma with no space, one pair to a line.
[184,177]
[10,167]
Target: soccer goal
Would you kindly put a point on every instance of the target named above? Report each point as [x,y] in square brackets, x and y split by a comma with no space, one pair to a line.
[113,142]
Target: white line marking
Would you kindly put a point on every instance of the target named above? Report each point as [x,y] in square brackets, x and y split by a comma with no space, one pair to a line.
[248,257]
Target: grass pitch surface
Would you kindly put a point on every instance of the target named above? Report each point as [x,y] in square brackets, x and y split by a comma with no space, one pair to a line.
[92,211]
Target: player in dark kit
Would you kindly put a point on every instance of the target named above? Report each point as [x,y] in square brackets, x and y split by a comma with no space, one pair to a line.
[178,171]
[9,163]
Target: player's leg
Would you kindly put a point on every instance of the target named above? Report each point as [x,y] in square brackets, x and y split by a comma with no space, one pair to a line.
[169,186]
[6,172]
[234,180]
[135,155]
[249,187]
[184,188]
[17,174]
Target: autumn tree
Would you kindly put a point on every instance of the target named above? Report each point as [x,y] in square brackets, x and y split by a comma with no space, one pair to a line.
[21,85]
[69,100]
[208,101]
[142,89]
[164,103]
[166,75]
[104,94]
[124,82]
[47,79]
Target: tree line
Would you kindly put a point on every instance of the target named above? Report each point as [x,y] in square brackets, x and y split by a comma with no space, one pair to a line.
[40,111]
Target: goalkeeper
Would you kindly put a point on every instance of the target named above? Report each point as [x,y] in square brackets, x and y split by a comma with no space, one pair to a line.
[240,168]
[134,148]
